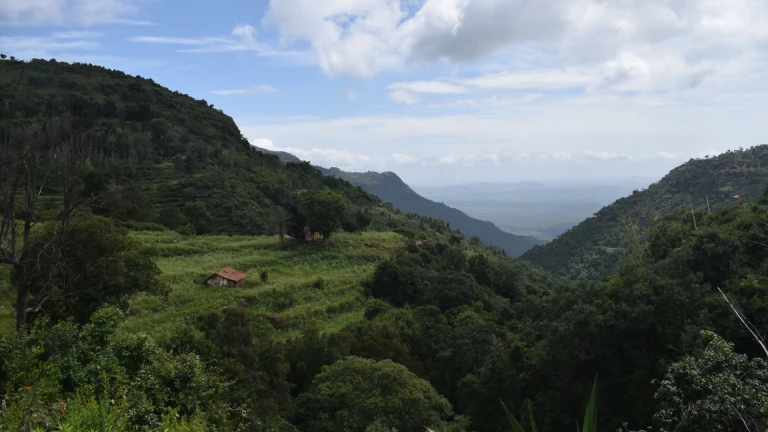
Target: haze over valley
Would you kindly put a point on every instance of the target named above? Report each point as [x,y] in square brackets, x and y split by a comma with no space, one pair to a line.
[542,210]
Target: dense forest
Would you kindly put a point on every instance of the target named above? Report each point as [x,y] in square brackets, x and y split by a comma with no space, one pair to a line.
[594,248]
[119,197]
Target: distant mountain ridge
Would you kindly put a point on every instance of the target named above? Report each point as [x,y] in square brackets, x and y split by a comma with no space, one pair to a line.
[391,188]
[593,248]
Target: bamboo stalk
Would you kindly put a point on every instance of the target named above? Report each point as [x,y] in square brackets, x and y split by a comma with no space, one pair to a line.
[760,341]
[694,215]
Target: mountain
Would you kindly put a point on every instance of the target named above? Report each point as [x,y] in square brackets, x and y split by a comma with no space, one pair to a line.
[161,157]
[285,157]
[593,248]
[391,188]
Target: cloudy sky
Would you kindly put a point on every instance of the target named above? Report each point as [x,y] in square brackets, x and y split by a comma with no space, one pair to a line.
[441,91]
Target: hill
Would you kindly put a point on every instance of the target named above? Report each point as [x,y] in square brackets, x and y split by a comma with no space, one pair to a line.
[593,248]
[390,188]
[161,157]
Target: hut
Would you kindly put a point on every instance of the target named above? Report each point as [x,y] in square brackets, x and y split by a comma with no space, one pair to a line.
[227,277]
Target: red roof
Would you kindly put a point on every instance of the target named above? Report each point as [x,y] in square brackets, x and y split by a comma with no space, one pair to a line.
[231,274]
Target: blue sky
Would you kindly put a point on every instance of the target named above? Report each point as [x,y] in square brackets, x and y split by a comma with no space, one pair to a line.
[441,91]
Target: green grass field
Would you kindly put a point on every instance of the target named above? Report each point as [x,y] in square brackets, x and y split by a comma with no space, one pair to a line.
[305,281]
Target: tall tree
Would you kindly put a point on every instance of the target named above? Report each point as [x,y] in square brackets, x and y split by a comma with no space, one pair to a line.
[279,222]
[34,160]
[324,210]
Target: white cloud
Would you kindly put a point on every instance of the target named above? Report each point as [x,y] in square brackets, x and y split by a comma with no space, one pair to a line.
[403,159]
[594,135]
[263,143]
[344,159]
[434,87]
[403,97]
[605,156]
[26,47]
[493,102]
[84,12]
[546,79]
[629,45]
[668,155]
[74,34]
[255,90]
[241,38]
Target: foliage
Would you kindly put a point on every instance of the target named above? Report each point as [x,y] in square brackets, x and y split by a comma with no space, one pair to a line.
[361,394]
[594,248]
[590,415]
[324,210]
[81,376]
[715,390]
[101,265]
[279,222]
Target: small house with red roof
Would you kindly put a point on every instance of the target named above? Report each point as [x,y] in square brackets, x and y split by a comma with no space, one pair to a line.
[227,277]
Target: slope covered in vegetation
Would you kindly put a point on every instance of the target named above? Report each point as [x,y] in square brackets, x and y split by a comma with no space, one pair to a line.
[398,322]
[593,248]
[177,160]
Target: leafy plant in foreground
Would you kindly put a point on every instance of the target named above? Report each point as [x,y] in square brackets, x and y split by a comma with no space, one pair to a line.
[590,415]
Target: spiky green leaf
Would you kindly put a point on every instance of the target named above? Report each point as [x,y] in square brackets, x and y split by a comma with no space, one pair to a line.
[512,422]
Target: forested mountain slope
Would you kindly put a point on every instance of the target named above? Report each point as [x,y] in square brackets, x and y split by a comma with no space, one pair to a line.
[594,248]
[161,156]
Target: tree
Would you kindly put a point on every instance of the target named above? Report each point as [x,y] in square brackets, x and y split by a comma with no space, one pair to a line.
[49,158]
[3,56]
[324,211]
[279,222]
[100,265]
[716,390]
[198,215]
[357,394]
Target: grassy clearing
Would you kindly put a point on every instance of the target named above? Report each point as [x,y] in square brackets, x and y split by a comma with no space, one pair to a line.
[306,281]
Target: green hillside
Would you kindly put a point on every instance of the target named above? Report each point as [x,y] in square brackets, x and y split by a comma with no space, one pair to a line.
[177,160]
[593,248]
[394,323]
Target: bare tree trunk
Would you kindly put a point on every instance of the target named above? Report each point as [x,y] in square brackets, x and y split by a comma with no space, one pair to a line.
[22,306]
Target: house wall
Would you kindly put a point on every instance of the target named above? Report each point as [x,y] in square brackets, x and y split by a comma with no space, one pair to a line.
[217,280]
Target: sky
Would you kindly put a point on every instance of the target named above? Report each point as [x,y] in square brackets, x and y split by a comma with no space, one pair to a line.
[441,91]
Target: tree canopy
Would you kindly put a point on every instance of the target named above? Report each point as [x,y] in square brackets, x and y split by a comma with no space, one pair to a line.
[367,395]
[324,209]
